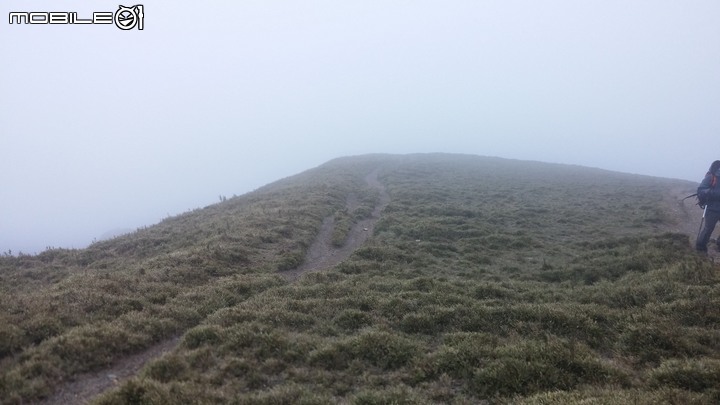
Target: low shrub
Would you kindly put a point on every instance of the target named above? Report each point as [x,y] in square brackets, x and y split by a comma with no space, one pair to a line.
[168,368]
[202,335]
[397,395]
[650,343]
[535,366]
[380,349]
[137,391]
[352,319]
[696,375]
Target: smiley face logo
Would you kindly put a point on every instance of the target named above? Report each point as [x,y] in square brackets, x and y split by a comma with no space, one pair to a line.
[126,18]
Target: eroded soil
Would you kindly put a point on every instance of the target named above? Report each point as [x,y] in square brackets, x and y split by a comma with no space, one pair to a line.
[321,255]
[684,217]
[87,386]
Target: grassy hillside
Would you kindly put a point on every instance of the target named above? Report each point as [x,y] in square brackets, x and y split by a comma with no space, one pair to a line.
[485,280]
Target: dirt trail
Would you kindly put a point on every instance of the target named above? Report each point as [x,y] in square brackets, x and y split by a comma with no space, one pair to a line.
[684,218]
[321,255]
[89,385]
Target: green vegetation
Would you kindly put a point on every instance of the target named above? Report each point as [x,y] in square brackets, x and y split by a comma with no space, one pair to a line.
[485,279]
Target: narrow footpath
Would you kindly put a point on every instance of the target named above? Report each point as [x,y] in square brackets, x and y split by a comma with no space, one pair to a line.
[321,255]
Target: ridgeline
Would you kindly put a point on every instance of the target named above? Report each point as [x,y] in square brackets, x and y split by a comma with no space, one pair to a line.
[377,279]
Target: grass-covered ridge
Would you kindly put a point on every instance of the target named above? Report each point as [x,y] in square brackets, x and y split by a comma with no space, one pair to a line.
[485,279]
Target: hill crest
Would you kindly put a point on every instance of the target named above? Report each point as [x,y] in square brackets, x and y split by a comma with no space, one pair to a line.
[501,260]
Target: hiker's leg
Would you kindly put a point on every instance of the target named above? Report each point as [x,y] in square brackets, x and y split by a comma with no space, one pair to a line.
[711,218]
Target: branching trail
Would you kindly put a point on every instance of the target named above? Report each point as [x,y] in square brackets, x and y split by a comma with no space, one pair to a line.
[321,255]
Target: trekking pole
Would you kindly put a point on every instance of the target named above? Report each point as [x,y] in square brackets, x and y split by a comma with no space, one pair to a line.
[701,223]
[682,201]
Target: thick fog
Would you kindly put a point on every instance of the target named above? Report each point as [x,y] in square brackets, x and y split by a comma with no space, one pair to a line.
[104,129]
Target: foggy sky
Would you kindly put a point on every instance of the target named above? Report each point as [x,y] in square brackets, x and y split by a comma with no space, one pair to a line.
[102,128]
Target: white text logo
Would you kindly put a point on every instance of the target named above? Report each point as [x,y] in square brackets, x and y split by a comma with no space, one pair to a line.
[125,18]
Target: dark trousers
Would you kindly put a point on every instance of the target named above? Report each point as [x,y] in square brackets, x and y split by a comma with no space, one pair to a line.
[711,218]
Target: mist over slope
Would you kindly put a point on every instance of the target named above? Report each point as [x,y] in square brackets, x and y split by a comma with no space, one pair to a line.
[483,279]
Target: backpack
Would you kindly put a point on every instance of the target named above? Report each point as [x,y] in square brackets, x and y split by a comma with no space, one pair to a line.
[702,195]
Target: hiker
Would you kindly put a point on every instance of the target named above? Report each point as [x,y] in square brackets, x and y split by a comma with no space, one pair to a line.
[709,199]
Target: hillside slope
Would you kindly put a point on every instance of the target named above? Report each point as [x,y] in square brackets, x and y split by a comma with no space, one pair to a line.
[482,279]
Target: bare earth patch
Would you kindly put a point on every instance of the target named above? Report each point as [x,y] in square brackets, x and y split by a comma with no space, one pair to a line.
[89,385]
[321,255]
[684,217]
